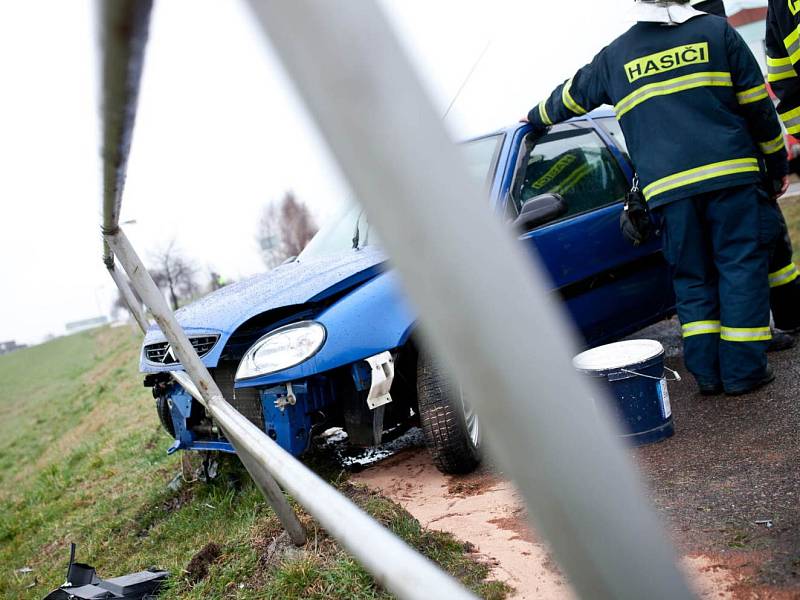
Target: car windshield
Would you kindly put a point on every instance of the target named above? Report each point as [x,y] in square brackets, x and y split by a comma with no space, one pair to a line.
[350,228]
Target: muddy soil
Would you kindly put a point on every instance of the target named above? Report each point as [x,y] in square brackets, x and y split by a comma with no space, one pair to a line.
[726,485]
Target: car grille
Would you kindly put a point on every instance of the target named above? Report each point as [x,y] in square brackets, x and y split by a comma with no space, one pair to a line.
[246,400]
[159,353]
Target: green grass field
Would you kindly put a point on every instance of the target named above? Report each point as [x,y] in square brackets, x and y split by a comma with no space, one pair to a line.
[82,458]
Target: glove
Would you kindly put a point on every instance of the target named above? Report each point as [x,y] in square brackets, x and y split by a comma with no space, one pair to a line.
[533,118]
[634,222]
[777,186]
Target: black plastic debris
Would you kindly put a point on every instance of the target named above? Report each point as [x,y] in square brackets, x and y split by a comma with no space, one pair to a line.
[83,583]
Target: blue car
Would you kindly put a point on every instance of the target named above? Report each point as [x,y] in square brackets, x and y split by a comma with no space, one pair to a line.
[328,339]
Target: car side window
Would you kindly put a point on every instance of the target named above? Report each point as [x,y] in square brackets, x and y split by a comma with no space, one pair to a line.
[575,163]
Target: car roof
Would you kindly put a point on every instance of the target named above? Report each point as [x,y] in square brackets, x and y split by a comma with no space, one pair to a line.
[599,113]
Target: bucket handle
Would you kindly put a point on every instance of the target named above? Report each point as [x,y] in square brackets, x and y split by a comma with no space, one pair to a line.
[675,375]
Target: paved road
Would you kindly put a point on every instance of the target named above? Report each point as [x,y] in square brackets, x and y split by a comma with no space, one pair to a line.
[726,486]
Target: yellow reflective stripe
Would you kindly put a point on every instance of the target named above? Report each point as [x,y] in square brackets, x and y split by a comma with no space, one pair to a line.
[719,169]
[791,120]
[774,146]
[543,113]
[746,334]
[780,61]
[569,101]
[794,6]
[790,114]
[753,94]
[779,69]
[700,328]
[792,43]
[783,276]
[775,77]
[672,86]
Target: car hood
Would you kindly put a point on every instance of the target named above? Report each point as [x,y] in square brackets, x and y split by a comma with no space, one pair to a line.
[292,284]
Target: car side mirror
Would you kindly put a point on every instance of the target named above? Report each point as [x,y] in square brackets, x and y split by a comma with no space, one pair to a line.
[540,210]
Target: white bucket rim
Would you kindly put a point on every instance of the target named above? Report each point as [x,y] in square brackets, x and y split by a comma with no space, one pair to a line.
[618,355]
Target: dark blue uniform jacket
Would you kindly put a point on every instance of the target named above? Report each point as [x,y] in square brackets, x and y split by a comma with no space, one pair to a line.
[692,104]
[783,59]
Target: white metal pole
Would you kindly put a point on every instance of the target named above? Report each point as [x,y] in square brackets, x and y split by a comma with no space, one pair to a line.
[214,401]
[141,319]
[482,301]
[134,306]
[124,27]
[391,562]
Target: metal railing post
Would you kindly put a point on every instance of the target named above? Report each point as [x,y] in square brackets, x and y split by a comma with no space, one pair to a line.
[457,264]
[390,561]
[134,306]
[208,390]
[141,319]
[124,29]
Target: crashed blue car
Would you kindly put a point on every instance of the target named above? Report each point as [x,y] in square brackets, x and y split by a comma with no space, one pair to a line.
[328,339]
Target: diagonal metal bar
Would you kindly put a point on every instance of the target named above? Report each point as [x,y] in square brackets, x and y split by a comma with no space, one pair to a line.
[134,306]
[227,417]
[391,562]
[265,482]
[456,261]
[140,317]
[342,519]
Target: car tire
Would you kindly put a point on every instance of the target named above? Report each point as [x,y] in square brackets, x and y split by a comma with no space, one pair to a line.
[165,415]
[450,428]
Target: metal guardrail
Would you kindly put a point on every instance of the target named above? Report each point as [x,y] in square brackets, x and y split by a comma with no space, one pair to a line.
[580,488]
[391,562]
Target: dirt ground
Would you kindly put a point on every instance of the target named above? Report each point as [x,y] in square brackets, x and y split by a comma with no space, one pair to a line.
[726,486]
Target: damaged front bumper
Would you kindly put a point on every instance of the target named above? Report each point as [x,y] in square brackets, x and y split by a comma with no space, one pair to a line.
[289,413]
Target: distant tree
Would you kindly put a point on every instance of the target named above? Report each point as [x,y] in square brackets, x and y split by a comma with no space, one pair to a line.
[215,282]
[284,230]
[174,273]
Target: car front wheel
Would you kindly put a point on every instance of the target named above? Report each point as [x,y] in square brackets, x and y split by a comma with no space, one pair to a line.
[165,415]
[451,428]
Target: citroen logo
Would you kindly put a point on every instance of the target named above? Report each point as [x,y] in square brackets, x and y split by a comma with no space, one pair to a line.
[169,357]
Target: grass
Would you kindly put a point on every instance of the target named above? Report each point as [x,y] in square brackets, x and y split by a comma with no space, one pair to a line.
[791,211]
[82,458]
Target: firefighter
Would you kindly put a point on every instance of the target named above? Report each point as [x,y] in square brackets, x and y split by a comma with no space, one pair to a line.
[698,121]
[783,56]
[784,291]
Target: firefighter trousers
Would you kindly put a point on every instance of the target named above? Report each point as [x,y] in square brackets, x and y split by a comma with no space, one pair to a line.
[784,281]
[718,246]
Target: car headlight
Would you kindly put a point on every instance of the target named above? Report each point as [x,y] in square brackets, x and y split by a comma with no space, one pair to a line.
[282,348]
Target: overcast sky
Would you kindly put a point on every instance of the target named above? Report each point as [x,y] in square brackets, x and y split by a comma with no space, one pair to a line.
[220,131]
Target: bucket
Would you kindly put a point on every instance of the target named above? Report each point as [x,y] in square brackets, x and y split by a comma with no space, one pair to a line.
[635,374]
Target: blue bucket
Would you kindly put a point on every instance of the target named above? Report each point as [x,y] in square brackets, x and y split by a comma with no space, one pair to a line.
[635,374]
